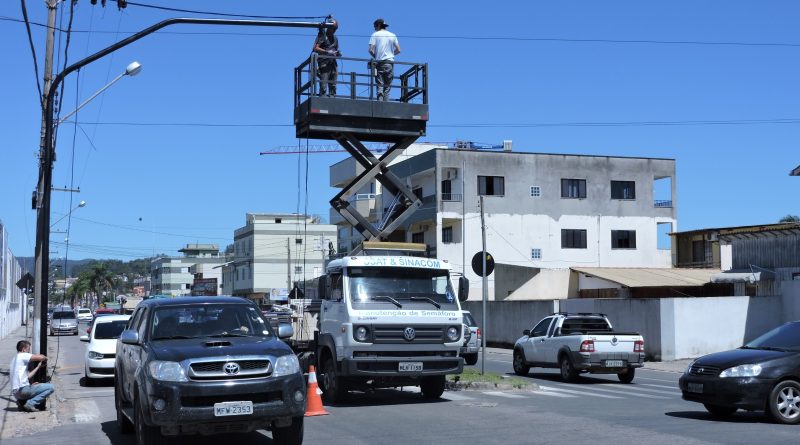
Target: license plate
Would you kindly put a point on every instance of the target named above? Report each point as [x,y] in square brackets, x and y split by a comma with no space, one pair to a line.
[233,408]
[695,387]
[410,366]
[614,363]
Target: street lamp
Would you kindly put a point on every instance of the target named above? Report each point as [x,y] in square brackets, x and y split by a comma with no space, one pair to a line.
[80,204]
[131,70]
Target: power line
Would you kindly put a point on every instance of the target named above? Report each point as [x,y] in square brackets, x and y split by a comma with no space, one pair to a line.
[464,37]
[792,121]
[33,52]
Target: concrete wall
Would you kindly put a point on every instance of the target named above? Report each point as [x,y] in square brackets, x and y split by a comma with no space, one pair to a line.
[511,278]
[673,328]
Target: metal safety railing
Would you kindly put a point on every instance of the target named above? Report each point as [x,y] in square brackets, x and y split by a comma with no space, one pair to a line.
[355,79]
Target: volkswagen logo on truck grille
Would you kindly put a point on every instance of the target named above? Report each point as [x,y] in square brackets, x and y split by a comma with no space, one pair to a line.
[231,368]
[409,333]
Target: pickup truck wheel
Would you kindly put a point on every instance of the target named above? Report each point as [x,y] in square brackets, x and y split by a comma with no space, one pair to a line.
[471,359]
[333,387]
[432,387]
[123,423]
[627,377]
[784,402]
[520,368]
[568,372]
[145,434]
[289,435]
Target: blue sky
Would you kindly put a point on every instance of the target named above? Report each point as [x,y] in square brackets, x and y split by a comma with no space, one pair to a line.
[525,71]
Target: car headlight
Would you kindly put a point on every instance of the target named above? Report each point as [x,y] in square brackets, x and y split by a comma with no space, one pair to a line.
[95,355]
[689,368]
[453,334]
[167,371]
[286,365]
[361,333]
[741,371]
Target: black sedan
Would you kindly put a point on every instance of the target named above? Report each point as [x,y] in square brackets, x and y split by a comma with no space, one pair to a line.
[763,375]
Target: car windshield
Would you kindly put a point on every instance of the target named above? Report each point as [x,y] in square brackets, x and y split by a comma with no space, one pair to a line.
[105,331]
[400,284]
[469,321]
[63,315]
[84,311]
[208,320]
[785,337]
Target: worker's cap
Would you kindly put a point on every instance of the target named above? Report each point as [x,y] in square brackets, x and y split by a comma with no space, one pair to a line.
[380,23]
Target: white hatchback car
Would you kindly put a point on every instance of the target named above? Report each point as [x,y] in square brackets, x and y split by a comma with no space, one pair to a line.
[85,314]
[102,346]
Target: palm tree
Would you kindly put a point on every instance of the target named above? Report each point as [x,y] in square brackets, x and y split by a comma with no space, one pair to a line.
[79,288]
[790,219]
[99,278]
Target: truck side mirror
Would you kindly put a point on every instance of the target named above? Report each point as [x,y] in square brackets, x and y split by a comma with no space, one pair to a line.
[130,337]
[526,332]
[463,288]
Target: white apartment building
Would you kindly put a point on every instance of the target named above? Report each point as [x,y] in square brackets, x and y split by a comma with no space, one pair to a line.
[175,275]
[272,251]
[543,212]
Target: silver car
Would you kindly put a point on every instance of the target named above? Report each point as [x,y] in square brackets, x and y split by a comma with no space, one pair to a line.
[472,339]
[64,321]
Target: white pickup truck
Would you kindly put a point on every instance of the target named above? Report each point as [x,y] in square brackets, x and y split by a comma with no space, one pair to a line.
[578,343]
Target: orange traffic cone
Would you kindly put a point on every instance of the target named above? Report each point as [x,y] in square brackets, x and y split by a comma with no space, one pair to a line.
[313,400]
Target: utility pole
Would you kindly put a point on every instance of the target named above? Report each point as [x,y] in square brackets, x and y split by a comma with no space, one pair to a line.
[43,196]
[485,281]
[288,265]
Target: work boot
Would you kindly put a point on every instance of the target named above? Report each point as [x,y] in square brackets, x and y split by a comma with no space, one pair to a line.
[28,408]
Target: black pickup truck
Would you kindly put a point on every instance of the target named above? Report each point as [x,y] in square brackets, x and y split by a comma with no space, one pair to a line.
[206,365]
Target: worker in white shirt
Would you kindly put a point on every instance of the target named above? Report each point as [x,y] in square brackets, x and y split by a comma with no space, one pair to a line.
[28,395]
[383,46]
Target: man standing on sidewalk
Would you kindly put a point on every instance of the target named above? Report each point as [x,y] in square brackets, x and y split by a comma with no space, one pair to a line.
[383,46]
[28,395]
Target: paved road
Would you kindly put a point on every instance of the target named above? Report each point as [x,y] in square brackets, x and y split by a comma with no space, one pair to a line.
[597,410]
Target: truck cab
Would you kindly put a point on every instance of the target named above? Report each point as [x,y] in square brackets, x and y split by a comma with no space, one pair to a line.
[388,321]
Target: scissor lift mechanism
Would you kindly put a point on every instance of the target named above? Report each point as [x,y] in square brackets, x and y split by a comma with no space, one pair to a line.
[353,116]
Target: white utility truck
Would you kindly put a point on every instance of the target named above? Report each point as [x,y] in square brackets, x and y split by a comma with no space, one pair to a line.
[383,319]
[577,343]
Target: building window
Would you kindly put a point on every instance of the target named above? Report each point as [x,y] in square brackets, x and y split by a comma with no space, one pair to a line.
[298,269]
[573,239]
[277,220]
[623,190]
[623,239]
[536,254]
[491,185]
[298,240]
[187,286]
[536,191]
[418,237]
[447,234]
[573,188]
[418,193]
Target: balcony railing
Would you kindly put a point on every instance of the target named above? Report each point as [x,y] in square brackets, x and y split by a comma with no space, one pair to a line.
[455,197]
[663,203]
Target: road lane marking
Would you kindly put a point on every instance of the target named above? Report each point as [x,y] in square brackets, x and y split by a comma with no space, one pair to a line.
[657,380]
[579,393]
[86,411]
[661,386]
[634,394]
[636,388]
[504,394]
[456,397]
[552,393]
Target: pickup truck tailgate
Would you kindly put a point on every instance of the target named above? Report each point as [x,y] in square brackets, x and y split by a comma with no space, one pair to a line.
[610,343]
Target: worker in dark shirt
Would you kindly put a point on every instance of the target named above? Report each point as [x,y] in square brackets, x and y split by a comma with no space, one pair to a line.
[327,45]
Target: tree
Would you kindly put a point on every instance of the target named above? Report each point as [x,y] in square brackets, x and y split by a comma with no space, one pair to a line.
[78,289]
[100,278]
[790,219]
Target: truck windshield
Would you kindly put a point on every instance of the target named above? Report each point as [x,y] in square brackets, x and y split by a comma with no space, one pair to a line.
[208,320]
[429,287]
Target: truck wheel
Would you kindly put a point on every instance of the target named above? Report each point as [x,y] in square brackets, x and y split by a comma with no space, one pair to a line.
[471,359]
[333,388]
[145,434]
[123,423]
[568,372]
[432,387]
[784,402]
[520,368]
[289,435]
[627,377]
[719,411]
